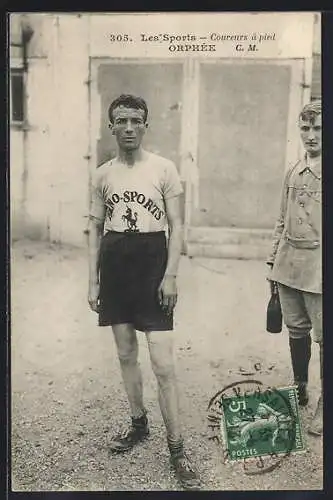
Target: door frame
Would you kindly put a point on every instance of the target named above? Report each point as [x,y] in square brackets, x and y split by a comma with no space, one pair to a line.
[299,82]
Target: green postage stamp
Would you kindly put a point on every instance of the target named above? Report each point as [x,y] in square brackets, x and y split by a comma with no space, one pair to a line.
[261,423]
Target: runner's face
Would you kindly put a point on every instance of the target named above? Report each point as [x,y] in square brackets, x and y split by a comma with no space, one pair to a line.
[311,135]
[129,127]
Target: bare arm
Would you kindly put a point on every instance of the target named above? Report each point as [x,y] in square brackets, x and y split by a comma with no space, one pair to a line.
[176,235]
[95,232]
[168,288]
[95,229]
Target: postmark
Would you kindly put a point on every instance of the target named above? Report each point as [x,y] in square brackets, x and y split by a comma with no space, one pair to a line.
[256,425]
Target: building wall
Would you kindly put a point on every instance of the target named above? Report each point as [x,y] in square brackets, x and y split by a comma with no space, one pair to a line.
[16,182]
[49,171]
[51,161]
[69,125]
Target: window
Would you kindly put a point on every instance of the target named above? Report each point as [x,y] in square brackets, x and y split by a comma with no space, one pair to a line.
[17,95]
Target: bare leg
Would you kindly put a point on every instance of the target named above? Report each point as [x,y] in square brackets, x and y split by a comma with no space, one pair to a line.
[127,346]
[161,354]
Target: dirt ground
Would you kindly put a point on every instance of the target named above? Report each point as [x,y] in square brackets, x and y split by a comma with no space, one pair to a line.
[67,394]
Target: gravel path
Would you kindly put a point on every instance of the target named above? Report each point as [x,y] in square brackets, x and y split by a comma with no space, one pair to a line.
[67,394]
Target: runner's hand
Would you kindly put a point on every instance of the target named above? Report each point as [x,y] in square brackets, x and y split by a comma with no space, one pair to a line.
[93,296]
[167,293]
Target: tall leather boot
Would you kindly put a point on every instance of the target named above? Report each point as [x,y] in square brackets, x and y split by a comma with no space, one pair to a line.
[316,426]
[300,350]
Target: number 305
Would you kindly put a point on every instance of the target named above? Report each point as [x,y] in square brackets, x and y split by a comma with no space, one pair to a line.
[119,38]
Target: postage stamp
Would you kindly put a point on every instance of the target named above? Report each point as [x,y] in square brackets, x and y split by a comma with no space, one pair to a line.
[262,423]
[258,423]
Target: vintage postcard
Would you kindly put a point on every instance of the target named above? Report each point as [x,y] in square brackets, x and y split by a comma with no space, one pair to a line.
[166,276]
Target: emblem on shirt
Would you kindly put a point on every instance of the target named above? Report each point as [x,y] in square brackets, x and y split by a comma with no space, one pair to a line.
[140,199]
[131,219]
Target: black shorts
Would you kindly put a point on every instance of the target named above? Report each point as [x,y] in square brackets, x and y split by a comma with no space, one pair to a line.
[132,266]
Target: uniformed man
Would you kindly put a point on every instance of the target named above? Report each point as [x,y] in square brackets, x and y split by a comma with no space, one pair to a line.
[296,258]
[133,271]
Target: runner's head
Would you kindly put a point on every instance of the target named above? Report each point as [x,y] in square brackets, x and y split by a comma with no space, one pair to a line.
[128,121]
[310,127]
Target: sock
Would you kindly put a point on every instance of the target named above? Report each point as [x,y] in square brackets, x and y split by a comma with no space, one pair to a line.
[140,422]
[300,350]
[176,447]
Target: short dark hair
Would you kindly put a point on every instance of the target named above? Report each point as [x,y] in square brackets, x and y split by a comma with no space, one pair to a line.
[311,111]
[128,101]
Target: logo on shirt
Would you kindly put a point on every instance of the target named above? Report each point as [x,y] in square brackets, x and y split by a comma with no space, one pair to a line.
[131,220]
[140,199]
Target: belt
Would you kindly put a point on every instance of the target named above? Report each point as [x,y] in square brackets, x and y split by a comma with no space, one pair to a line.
[302,243]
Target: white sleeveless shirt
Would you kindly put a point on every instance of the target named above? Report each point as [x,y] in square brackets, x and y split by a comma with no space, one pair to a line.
[132,198]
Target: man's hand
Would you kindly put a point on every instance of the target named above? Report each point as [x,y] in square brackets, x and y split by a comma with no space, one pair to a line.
[272,284]
[167,293]
[93,296]
[273,287]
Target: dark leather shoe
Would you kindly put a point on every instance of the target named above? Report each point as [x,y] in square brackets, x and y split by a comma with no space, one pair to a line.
[185,471]
[125,441]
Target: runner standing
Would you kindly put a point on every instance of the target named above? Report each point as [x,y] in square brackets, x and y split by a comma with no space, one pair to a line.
[133,269]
